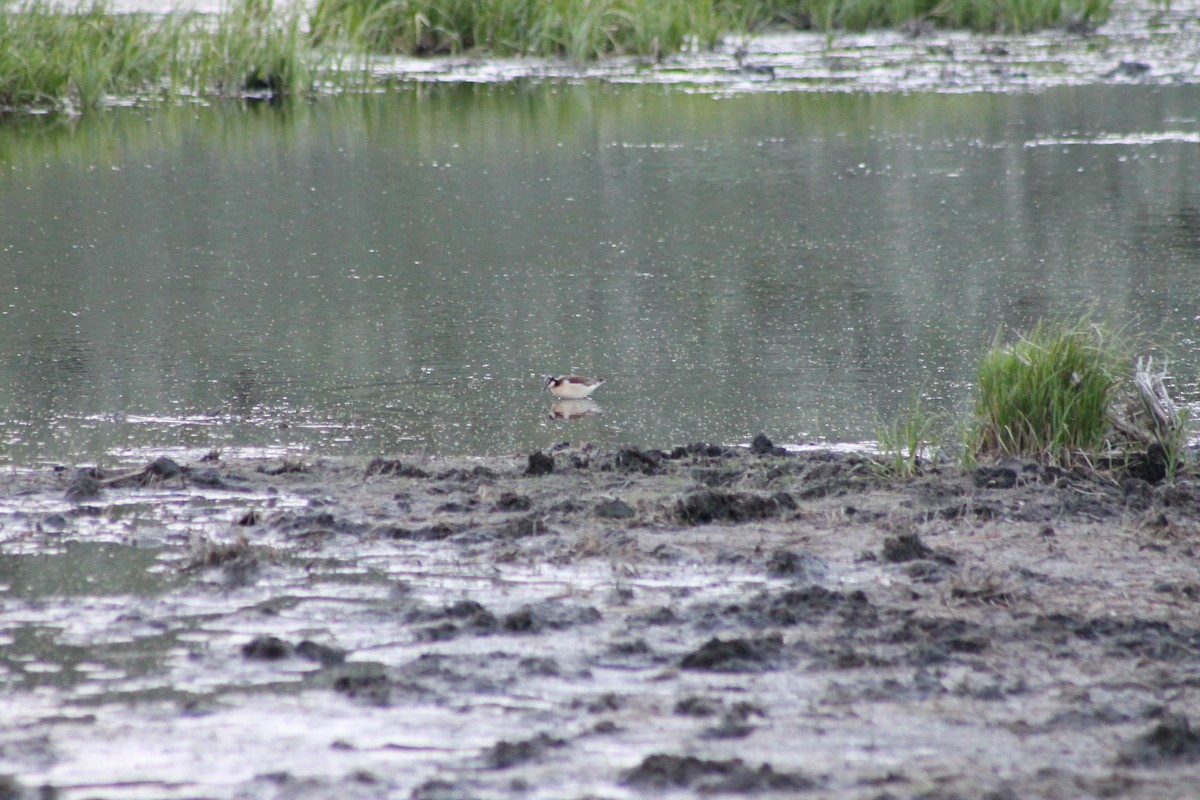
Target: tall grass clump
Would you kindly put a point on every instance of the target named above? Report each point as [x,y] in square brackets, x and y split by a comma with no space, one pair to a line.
[252,48]
[578,29]
[49,56]
[1049,394]
[54,56]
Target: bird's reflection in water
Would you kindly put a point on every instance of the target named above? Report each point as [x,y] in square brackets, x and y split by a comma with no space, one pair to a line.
[573,409]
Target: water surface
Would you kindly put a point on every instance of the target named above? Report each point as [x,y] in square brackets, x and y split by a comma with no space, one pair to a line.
[395,273]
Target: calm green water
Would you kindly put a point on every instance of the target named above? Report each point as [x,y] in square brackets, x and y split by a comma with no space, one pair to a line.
[395,273]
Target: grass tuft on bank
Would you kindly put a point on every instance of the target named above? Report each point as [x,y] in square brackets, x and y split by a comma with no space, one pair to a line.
[1070,393]
[1048,394]
[1064,393]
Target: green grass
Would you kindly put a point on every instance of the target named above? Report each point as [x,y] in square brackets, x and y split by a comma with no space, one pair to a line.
[1065,393]
[1068,393]
[588,29]
[1048,395]
[980,15]
[77,58]
[908,442]
[577,29]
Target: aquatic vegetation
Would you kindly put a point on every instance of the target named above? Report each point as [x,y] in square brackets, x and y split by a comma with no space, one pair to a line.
[48,57]
[1010,15]
[254,49]
[77,58]
[578,29]
[588,29]
[1067,393]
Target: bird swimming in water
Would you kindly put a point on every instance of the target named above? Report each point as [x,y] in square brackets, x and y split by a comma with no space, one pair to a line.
[572,387]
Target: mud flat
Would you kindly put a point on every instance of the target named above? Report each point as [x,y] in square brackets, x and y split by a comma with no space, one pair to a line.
[579,623]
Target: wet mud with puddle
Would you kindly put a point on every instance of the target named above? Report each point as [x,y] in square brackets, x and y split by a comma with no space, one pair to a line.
[579,623]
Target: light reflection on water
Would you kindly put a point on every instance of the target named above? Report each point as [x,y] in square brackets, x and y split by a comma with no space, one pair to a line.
[396,273]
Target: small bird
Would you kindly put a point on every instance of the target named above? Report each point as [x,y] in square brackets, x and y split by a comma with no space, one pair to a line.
[751,69]
[571,387]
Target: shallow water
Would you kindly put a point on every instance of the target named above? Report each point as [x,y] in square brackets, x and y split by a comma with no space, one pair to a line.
[397,272]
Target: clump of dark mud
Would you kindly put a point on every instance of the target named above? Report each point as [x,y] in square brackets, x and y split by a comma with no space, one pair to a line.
[708,776]
[1172,741]
[539,464]
[801,566]
[736,655]
[394,467]
[647,462]
[711,505]
[505,754]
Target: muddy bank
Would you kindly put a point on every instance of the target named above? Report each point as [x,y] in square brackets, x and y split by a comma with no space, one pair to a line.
[589,623]
[1140,42]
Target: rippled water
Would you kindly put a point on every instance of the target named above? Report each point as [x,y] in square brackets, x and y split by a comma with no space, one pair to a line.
[397,272]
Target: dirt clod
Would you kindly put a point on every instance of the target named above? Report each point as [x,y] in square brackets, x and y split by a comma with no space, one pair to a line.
[735,655]
[504,754]
[906,547]
[539,464]
[1171,740]
[712,505]
[267,648]
[83,486]
[661,771]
